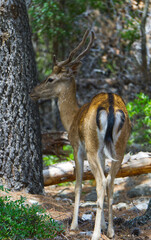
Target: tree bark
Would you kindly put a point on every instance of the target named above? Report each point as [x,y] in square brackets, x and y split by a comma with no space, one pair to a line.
[145,70]
[65,171]
[20,141]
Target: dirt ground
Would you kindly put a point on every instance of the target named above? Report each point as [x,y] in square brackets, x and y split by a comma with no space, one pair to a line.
[59,201]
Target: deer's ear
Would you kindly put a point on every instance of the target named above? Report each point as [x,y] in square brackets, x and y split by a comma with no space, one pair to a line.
[75,67]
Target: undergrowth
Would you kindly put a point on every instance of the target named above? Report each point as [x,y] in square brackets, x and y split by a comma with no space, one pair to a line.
[52,159]
[21,221]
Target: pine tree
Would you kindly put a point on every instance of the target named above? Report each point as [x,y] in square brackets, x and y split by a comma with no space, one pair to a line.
[20,143]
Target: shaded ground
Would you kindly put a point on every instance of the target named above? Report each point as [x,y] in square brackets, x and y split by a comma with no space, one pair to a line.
[58,202]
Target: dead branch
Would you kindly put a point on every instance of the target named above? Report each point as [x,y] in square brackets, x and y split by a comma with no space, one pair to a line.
[52,143]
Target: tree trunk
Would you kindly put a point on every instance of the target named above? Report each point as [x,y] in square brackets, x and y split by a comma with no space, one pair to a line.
[145,71]
[20,142]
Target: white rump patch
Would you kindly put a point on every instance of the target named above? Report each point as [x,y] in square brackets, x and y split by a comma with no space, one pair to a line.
[103,118]
[103,124]
[116,133]
[102,132]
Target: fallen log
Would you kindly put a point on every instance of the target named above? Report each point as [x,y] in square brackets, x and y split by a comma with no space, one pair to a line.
[65,171]
[53,142]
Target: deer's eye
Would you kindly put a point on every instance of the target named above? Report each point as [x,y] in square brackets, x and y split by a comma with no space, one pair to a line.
[50,80]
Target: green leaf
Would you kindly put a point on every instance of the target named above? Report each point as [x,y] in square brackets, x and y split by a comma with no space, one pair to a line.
[140,114]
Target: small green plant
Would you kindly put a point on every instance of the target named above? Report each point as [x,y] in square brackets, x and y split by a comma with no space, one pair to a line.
[50,159]
[69,150]
[53,159]
[20,221]
[140,114]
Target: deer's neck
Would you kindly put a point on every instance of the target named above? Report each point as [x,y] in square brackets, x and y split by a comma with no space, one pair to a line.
[68,106]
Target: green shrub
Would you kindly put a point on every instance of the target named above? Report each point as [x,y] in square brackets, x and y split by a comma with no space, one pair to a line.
[52,159]
[20,221]
[140,114]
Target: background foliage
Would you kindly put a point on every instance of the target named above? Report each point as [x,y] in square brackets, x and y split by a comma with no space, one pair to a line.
[140,114]
[56,25]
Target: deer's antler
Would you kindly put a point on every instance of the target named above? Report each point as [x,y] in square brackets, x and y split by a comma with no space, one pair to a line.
[85,51]
[74,51]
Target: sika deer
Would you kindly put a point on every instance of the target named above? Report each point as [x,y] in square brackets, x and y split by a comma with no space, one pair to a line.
[97,130]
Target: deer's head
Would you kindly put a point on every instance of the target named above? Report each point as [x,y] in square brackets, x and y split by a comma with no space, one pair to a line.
[62,74]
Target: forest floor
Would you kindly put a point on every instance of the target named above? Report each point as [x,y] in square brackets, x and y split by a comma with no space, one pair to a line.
[59,202]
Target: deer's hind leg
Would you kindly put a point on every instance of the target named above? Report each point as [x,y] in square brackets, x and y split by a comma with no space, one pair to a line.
[96,164]
[115,166]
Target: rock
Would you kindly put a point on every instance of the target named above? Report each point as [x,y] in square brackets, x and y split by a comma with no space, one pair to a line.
[140,204]
[118,181]
[87,216]
[118,220]
[58,199]
[92,196]
[121,206]
[32,201]
[140,190]
[67,200]
[88,233]
[117,195]
[88,204]
[135,231]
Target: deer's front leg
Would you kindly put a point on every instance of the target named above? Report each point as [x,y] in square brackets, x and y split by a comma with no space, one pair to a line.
[78,156]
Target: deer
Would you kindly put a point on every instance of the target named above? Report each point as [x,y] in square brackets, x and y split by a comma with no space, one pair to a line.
[97,130]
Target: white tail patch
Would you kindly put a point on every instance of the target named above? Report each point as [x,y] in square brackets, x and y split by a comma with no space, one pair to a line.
[103,119]
[117,123]
[103,122]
